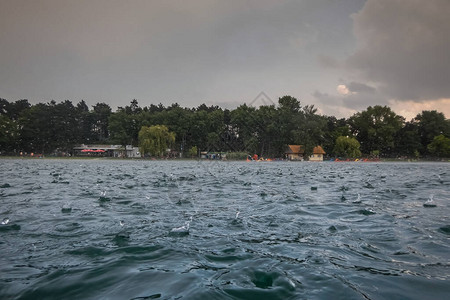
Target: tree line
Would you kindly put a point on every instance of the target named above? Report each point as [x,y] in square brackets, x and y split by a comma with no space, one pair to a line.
[50,128]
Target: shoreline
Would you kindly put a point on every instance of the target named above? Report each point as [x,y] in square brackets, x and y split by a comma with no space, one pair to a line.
[385,160]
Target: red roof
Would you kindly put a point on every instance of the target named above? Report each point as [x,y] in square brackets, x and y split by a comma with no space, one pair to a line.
[318,150]
[295,149]
[298,149]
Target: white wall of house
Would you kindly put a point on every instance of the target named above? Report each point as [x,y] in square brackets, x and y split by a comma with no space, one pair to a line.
[295,157]
[133,152]
[316,157]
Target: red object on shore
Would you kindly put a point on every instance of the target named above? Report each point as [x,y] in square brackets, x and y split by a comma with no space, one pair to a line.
[90,150]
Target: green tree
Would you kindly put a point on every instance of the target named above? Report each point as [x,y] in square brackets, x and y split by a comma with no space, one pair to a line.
[154,140]
[310,132]
[431,124]
[243,125]
[333,129]
[9,124]
[266,130]
[36,129]
[84,122]
[100,122]
[193,128]
[65,125]
[289,104]
[133,108]
[178,120]
[124,124]
[121,128]
[407,140]
[13,110]
[215,128]
[375,128]
[8,134]
[270,144]
[347,147]
[4,106]
[440,146]
[289,121]
[193,152]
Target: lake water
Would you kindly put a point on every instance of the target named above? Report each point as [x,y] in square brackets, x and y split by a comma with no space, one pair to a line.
[113,229]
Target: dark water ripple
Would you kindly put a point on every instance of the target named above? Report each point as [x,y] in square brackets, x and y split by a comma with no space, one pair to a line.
[87,229]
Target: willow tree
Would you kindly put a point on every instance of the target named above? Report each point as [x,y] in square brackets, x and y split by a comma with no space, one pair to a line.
[347,147]
[155,140]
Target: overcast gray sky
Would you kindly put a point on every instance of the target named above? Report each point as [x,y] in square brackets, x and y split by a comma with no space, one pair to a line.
[341,56]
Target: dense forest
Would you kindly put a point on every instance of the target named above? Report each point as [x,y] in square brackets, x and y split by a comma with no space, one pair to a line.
[54,128]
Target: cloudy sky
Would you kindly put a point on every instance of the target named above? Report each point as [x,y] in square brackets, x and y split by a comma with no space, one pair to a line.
[340,55]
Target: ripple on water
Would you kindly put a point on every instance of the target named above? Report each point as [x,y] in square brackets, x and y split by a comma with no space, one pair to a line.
[253,283]
[259,230]
[9,227]
[445,229]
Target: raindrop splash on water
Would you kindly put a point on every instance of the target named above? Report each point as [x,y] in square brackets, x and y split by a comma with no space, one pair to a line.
[307,247]
[103,197]
[237,221]
[430,202]
[182,230]
[66,208]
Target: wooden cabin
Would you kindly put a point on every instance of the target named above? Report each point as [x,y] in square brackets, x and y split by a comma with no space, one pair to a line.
[317,155]
[296,152]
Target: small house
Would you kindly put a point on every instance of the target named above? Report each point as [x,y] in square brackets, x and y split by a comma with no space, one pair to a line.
[296,152]
[317,155]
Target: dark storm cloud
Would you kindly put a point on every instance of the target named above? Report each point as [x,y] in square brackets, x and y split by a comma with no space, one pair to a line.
[358,97]
[358,87]
[404,47]
[328,62]
[361,101]
[164,51]
[222,52]
[160,49]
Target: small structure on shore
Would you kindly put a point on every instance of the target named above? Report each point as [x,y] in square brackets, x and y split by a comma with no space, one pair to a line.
[317,155]
[296,152]
[106,151]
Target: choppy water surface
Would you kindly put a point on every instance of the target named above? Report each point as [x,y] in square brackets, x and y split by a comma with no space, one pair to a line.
[111,229]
